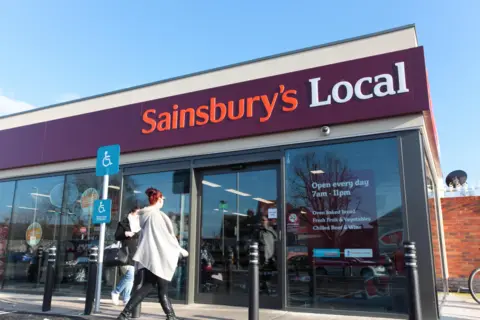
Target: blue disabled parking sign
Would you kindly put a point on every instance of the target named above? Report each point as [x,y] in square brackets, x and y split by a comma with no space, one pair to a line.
[102,211]
[108,163]
[108,160]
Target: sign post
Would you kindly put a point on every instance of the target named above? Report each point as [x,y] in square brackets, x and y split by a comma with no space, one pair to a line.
[108,163]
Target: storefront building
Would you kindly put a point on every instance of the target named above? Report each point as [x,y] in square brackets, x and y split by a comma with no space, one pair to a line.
[322,154]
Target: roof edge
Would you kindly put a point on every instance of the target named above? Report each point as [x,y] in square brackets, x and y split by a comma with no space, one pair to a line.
[278,55]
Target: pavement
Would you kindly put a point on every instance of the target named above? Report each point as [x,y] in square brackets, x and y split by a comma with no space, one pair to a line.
[27,316]
[28,307]
[460,307]
[72,307]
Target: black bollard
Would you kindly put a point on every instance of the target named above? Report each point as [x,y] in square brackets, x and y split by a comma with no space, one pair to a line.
[50,280]
[230,270]
[92,281]
[253,306]
[39,265]
[414,303]
[138,283]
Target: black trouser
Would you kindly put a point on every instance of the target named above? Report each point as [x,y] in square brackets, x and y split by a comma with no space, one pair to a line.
[149,281]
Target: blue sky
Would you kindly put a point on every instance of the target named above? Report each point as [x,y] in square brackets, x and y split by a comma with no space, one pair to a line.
[52,51]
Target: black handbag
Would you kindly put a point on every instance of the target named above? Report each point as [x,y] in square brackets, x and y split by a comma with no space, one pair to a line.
[115,256]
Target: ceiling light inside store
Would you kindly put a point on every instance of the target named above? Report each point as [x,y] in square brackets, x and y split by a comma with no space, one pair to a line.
[136,191]
[40,195]
[317,171]
[263,200]
[243,194]
[27,208]
[239,214]
[114,187]
[211,184]
[9,206]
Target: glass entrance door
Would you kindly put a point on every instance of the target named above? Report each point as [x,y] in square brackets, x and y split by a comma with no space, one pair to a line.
[239,206]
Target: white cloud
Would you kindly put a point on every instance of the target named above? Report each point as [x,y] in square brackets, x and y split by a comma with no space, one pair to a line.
[9,106]
[68,97]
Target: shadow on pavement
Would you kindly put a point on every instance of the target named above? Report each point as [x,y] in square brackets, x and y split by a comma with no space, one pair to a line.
[36,316]
[210,318]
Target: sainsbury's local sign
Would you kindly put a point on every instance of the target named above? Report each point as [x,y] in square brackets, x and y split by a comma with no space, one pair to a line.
[260,107]
[384,85]
[374,87]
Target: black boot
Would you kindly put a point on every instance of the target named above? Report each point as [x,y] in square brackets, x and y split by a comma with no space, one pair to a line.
[124,316]
[172,316]
[126,313]
[167,307]
[134,301]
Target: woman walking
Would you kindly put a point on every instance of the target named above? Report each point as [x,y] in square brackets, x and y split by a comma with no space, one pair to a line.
[127,232]
[157,255]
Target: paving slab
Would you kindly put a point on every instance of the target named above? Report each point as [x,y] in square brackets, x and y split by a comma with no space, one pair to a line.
[21,306]
[74,306]
[460,307]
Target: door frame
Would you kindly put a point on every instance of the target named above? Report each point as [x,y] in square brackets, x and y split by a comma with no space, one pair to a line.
[238,299]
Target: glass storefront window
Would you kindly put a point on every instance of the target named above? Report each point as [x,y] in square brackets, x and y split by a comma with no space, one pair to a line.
[238,208]
[441,285]
[78,234]
[35,224]
[7,190]
[175,186]
[344,221]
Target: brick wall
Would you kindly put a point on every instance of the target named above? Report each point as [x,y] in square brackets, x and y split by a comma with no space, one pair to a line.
[461,221]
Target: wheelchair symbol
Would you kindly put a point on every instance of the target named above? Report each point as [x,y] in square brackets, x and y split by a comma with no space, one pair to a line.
[106,161]
[101,208]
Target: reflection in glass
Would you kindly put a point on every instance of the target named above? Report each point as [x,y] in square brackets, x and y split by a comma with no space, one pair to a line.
[175,186]
[344,222]
[237,208]
[7,190]
[35,224]
[78,234]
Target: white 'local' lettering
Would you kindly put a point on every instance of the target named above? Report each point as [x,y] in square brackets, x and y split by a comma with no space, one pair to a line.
[384,86]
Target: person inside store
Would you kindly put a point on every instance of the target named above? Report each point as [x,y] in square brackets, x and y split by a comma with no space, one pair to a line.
[250,222]
[156,257]
[206,267]
[267,236]
[128,231]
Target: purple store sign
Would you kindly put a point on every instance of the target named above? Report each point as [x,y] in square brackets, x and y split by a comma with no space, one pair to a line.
[376,87]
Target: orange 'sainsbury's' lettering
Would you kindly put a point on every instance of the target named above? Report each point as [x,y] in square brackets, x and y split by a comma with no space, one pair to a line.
[250,102]
[269,105]
[219,111]
[183,116]
[231,110]
[164,121]
[287,98]
[202,113]
[214,106]
[149,121]
[175,116]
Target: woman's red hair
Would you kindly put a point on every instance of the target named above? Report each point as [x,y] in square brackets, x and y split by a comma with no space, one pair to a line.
[153,195]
